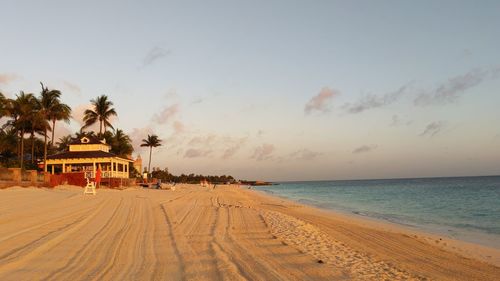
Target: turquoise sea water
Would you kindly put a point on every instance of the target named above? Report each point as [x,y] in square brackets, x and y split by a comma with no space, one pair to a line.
[466,208]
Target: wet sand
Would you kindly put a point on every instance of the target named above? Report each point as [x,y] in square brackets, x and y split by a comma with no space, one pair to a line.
[196,233]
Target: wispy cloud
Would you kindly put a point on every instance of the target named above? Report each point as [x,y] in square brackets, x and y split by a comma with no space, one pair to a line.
[263,152]
[179,127]
[224,146]
[321,101]
[195,152]
[364,149]
[77,113]
[153,55]
[171,94]
[234,147]
[373,101]
[451,90]
[166,114]
[138,134]
[62,130]
[72,87]
[6,78]
[197,101]
[466,53]
[433,128]
[203,140]
[304,154]
[397,121]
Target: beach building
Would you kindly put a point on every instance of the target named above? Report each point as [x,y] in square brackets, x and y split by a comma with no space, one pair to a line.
[84,156]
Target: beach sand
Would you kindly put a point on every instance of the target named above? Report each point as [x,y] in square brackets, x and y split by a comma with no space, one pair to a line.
[196,233]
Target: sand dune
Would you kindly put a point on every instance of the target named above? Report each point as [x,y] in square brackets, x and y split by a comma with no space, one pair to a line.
[197,233]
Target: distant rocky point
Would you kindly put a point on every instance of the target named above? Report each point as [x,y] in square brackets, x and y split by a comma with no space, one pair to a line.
[258,183]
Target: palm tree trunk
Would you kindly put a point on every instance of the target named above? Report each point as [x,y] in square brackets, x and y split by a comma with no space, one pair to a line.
[45,150]
[53,131]
[21,155]
[149,165]
[100,128]
[19,143]
[32,147]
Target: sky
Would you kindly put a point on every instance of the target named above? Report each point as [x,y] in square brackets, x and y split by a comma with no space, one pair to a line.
[274,90]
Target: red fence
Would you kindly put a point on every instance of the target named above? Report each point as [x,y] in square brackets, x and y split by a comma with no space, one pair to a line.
[79,180]
[68,178]
[14,177]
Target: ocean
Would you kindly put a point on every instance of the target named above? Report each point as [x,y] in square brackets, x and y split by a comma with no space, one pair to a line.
[464,208]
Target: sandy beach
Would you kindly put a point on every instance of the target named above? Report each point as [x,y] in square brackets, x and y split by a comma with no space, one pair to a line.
[196,233]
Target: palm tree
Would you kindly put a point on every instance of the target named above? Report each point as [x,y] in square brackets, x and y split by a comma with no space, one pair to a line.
[49,107]
[8,143]
[10,109]
[22,110]
[63,143]
[3,103]
[54,110]
[102,112]
[151,141]
[62,112]
[121,144]
[80,134]
[8,140]
[38,124]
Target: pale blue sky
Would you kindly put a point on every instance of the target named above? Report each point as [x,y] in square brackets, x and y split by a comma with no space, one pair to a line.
[226,84]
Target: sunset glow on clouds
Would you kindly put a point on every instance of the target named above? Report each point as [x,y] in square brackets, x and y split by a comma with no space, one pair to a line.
[323,90]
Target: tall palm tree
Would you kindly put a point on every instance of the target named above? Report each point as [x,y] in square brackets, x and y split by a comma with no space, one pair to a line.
[49,107]
[151,141]
[53,109]
[38,124]
[10,109]
[62,112]
[22,108]
[101,112]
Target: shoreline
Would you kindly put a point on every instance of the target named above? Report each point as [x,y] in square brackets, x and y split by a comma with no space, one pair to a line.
[467,236]
[468,249]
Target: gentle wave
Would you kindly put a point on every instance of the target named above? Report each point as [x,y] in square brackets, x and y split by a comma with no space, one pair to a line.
[453,205]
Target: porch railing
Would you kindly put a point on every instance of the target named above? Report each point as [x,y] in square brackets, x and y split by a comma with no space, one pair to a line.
[107,174]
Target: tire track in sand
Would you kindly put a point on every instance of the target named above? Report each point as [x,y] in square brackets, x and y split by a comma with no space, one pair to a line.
[173,243]
[48,223]
[85,250]
[227,267]
[41,249]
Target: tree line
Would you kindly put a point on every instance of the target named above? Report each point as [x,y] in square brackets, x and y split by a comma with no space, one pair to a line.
[31,121]
[31,117]
[165,176]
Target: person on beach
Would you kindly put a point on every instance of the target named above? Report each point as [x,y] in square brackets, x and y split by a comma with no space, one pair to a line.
[98,177]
